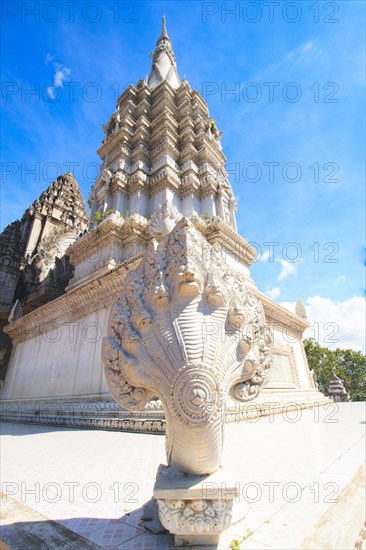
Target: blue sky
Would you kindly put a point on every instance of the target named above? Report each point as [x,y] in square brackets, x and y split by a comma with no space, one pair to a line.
[293,126]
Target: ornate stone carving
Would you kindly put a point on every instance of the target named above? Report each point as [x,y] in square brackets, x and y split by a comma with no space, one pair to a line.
[164,220]
[87,414]
[10,244]
[188,329]
[195,508]
[49,263]
[195,517]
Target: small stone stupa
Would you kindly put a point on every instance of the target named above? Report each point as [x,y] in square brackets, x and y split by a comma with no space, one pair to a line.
[336,389]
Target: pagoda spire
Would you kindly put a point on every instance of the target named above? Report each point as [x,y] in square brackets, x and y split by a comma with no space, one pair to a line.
[164,66]
[164,32]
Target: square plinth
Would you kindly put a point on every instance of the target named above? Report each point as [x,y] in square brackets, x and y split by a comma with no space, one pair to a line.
[171,483]
[196,509]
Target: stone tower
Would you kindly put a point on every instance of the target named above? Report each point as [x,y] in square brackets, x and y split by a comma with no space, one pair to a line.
[336,389]
[160,145]
[34,268]
[161,148]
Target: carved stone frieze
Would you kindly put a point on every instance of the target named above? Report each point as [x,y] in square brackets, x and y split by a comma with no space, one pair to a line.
[87,414]
[195,508]
[195,517]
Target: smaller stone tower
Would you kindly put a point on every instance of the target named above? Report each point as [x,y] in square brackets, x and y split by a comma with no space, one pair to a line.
[33,265]
[336,389]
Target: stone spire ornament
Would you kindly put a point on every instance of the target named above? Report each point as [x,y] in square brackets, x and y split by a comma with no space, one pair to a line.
[164,32]
[336,389]
[164,66]
[300,309]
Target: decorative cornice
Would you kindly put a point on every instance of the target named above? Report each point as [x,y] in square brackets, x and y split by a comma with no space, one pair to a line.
[100,293]
[114,226]
[279,315]
[216,230]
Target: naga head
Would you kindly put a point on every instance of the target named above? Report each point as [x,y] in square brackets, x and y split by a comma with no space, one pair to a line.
[236,315]
[198,335]
[160,297]
[141,319]
[188,283]
[214,291]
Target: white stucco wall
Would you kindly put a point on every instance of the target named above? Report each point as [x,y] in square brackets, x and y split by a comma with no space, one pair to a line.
[63,361]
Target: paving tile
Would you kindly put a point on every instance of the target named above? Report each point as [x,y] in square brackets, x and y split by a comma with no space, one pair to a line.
[114,533]
[133,518]
[149,542]
[307,452]
[85,526]
[253,544]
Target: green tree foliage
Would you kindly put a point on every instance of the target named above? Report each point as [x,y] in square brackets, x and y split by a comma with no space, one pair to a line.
[348,365]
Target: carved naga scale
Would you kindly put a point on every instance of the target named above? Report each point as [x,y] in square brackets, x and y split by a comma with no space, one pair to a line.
[189,330]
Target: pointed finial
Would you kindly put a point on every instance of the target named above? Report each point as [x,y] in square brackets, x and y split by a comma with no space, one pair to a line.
[300,309]
[164,32]
[164,66]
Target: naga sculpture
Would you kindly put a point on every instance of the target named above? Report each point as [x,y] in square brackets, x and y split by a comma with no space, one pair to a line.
[188,329]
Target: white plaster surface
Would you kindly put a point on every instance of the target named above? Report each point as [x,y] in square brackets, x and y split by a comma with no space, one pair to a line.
[311,460]
[57,350]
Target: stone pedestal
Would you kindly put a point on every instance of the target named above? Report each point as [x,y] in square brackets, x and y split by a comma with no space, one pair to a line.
[196,509]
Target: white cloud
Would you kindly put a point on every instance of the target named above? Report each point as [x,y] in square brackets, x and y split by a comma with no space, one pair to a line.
[51,92]
[62,73]
[48,59]
[273,293]
[60,76]
[308,46]
[335,324]
[265,256]
[341,279]
[288,269]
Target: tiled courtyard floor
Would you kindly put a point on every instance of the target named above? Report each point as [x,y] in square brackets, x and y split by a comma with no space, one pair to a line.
[292,470]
